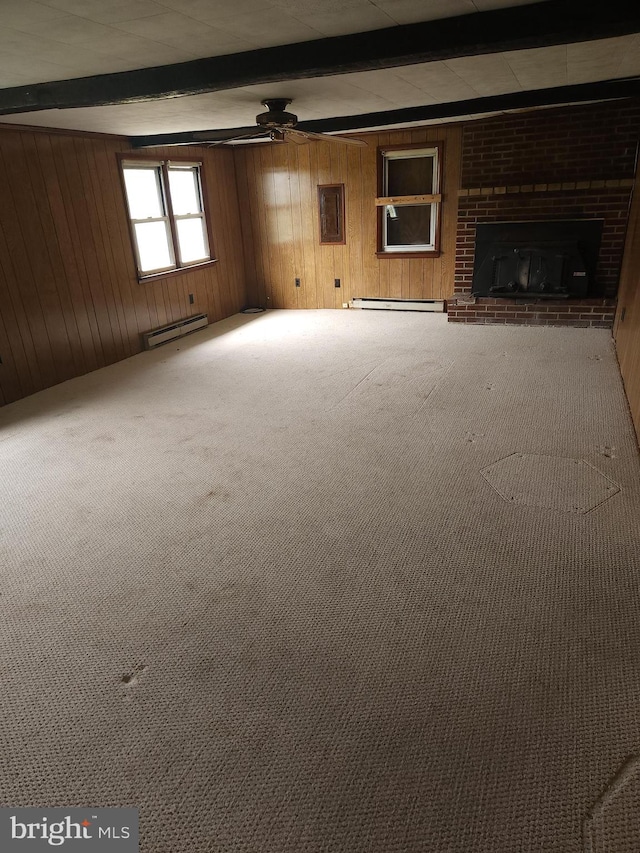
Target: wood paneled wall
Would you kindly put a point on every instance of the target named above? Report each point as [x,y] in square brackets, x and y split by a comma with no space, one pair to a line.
[70,301]
[626,328]
[277,187]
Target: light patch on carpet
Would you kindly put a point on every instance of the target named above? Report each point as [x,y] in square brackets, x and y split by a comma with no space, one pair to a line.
[550,482]
[398,382]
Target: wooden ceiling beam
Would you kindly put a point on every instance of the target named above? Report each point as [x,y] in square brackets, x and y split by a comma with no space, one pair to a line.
[541,24]
[579,93]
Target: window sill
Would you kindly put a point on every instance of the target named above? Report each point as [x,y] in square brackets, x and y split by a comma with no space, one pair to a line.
[156,276]
[435,253]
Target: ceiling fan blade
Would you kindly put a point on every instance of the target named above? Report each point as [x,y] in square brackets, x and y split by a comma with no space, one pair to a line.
[296,136]
[213,143]
[325,137]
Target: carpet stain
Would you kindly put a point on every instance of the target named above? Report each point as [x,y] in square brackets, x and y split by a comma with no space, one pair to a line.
[131,678]
[214,493]
[609,452]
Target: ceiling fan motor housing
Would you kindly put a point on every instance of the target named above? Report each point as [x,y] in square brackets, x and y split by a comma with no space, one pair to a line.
[276,117]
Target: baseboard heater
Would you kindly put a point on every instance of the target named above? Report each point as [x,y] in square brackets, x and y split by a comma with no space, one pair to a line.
[399,304]
[174,330]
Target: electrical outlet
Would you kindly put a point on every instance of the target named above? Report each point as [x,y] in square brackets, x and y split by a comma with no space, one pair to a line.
[297,282]
[345,304]
[336,282]
[191,299]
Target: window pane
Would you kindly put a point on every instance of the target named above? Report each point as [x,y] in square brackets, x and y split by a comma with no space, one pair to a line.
[185,195]
[191,239]
[153,245]
[409,176]
[143,192]
[411,225]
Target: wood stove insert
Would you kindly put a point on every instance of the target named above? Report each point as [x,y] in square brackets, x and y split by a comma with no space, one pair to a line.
[542,260]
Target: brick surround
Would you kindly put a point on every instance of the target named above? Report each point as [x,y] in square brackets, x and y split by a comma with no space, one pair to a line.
[568,163]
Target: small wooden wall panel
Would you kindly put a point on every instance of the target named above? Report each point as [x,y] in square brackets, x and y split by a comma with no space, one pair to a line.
[331,213]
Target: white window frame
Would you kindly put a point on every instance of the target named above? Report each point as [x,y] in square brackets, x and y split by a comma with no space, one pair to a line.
[175,166]
[433,153]
[162,168]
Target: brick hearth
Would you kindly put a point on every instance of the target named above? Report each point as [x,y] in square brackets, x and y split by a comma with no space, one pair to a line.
[597,313]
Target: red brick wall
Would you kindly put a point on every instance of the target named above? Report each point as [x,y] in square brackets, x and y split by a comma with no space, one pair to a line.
[586,142]
[508,166]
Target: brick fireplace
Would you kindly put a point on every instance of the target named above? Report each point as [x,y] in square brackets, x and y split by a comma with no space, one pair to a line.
[557,165]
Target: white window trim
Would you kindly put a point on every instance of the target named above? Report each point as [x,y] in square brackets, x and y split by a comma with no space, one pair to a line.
[175,166]
[412,154]
[411,247]
[162,169]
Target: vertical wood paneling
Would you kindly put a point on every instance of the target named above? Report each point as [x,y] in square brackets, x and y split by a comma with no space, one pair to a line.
[17,379]
[320,157]
[21,265]
[355,207]
[70,300]
[63,332]
[340,261]
[74,258]
[626,328]
[297,219]
[78,328]
[247,216]
[308,249]
[284,229]
[102,257]
[281,229]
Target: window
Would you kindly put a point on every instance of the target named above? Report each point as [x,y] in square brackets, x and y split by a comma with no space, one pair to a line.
[409,200]
[166,211]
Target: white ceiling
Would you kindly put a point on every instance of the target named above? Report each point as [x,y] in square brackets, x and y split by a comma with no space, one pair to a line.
[62,39]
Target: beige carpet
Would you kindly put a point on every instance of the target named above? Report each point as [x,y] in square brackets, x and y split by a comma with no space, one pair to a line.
[330,582]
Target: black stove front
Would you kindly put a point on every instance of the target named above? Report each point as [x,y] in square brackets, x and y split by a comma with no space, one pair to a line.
[544,260]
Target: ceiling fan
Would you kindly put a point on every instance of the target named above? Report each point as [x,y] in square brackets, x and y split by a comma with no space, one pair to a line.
[276,124]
